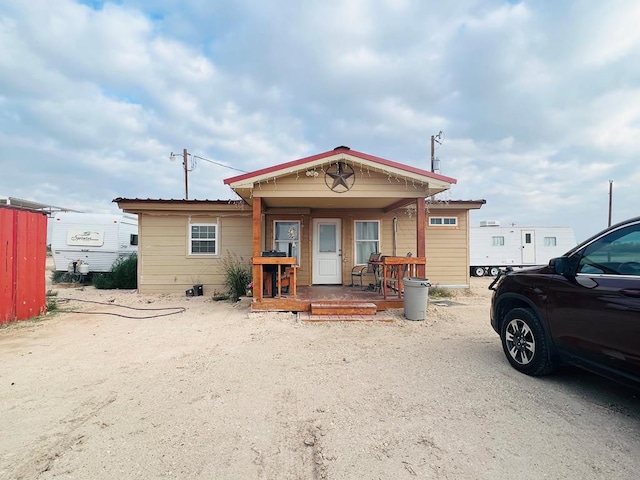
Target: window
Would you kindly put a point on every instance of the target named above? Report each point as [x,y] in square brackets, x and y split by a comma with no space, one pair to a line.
[497,241]
[443,221]
[133,239]
[203,239]
[617,253]
[550,241]
[286,238]
[367,240]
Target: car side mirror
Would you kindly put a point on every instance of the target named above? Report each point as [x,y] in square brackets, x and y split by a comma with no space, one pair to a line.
[560,265]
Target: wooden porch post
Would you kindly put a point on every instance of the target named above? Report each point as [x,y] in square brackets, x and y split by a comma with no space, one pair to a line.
[420,234]
[257,235]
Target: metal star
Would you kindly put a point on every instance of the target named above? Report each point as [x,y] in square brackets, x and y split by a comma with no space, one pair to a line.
[340,177]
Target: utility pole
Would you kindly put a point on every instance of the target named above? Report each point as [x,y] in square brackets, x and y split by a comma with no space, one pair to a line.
[435,138]
[186,174]
[610,200]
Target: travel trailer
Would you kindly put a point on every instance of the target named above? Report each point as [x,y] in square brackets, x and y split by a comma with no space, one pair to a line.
[92,242]
[492,247]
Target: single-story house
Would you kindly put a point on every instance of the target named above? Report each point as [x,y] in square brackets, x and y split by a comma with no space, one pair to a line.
[325,214]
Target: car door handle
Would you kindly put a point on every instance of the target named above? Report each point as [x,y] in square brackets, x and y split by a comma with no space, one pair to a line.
[630,292]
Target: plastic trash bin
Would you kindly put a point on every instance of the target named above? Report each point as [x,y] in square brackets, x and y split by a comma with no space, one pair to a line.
[416,293]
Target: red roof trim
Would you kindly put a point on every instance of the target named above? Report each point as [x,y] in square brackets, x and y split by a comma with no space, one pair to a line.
[364,156]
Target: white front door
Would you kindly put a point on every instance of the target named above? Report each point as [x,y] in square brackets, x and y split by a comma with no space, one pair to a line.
[327,251]
[528,247]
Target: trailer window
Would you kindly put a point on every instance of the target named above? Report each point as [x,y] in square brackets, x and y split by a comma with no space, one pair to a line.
[550,241]
[497,241]
[203,239]
[443,221]
[133,240]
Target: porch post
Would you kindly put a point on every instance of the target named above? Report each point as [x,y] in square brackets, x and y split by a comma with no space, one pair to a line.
[257,235]
[420,234]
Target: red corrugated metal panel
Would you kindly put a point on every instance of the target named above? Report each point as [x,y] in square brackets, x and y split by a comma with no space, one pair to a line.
[7,264]
[23,237]
[31,258]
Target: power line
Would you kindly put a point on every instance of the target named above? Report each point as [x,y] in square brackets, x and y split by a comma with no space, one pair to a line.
[219,164]
[185,155]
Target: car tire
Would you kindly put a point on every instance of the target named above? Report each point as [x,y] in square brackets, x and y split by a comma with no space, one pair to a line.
[494,271]
[525,344]
[478,272]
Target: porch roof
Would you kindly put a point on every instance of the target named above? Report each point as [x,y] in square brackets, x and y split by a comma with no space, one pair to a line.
[405,182]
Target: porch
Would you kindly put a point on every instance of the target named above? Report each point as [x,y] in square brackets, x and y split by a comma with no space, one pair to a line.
[383,288]
[333,294]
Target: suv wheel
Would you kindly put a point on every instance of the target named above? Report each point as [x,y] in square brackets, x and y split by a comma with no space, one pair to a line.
[525,344]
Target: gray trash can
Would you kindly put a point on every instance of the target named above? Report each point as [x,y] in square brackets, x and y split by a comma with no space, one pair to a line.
[416,293]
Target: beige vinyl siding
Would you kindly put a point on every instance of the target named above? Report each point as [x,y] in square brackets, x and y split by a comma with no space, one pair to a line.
[447,250]
[164,263]
[366,185]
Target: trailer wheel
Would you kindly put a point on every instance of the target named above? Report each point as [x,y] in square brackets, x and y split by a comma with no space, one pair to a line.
[478,271]
[494,271]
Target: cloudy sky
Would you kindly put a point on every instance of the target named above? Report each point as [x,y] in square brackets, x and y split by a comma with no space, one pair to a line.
[538,101]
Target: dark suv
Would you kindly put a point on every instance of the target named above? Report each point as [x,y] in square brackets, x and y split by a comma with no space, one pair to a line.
[583,308]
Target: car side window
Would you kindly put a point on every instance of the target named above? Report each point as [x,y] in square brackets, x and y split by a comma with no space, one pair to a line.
[617,253]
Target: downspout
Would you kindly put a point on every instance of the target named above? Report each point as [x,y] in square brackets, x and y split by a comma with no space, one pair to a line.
[395,236]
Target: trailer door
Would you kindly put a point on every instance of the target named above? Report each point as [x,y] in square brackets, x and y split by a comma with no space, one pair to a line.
[528,247]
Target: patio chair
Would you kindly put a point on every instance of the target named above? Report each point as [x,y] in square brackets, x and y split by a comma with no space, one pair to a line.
[371,268]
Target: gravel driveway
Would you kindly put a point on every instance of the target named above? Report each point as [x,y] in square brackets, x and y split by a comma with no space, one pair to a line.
[218,393]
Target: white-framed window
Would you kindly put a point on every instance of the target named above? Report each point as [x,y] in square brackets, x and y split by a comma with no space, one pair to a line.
[286,238]
[497,241]
[203,239]
[550,241]
[443,221]
[366,240]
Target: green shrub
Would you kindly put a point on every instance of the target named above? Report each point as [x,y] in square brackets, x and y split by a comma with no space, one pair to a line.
[237,275]
[123,274]
[440,292]
[52,303]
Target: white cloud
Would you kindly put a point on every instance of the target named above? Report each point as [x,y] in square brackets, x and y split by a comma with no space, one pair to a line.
[538,102]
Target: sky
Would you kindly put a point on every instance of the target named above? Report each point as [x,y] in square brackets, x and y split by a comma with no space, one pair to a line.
[538,102]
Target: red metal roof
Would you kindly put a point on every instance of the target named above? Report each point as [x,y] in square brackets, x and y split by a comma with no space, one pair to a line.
[354,153]
[174,200]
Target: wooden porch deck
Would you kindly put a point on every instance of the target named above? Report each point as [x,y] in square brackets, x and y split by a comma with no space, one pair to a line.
[336,294]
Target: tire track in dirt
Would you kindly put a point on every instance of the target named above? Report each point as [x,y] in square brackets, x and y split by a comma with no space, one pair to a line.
[50,449]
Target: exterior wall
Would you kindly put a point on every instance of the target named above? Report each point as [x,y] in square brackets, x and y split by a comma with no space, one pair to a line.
[164,263]
[448,250]
[23,240]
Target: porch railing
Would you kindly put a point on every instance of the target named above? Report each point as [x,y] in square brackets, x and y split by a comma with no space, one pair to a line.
[276,266]
[391,270]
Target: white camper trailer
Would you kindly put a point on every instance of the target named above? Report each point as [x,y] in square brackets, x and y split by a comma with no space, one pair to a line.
[93,240]
[492,247]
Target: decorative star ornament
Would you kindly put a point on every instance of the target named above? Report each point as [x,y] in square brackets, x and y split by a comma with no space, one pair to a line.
[339,177]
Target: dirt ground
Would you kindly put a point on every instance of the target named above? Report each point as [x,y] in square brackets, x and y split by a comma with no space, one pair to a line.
[215,392]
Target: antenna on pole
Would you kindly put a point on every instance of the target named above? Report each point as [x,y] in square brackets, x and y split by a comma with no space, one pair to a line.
[435,162]
[610,200]
[186,173]
[185,164]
